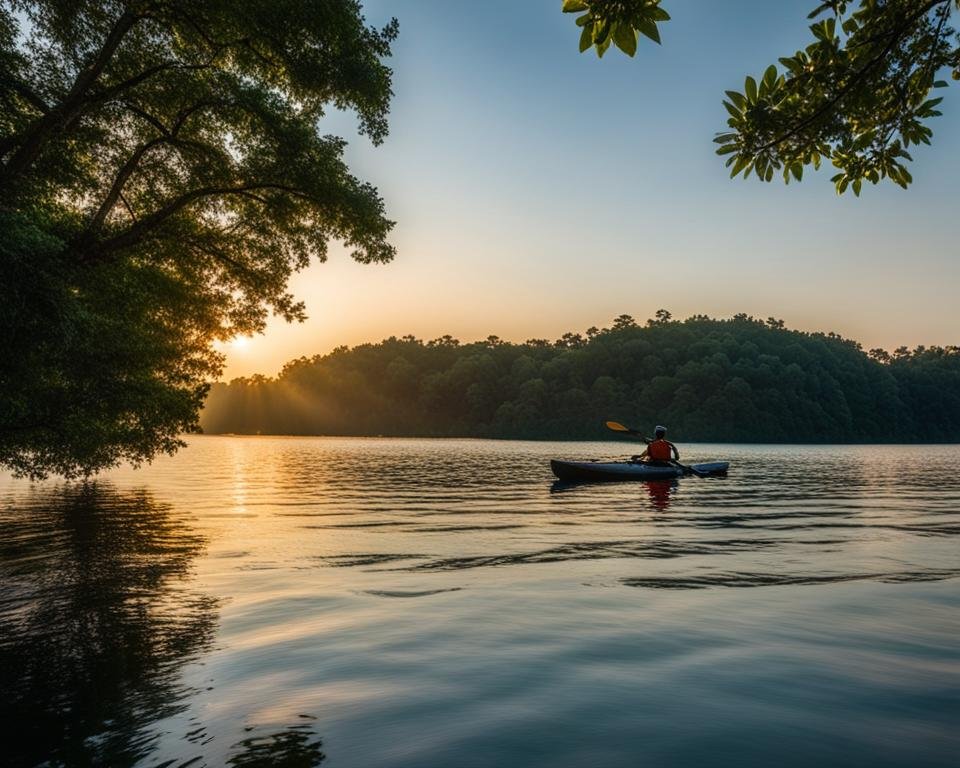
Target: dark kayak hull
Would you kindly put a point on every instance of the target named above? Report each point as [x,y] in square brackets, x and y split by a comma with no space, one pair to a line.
[619,471]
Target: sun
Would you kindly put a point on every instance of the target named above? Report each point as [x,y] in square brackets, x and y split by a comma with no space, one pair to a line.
[239,342]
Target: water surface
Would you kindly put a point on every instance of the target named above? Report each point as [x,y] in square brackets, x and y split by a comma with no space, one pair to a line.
[362,602]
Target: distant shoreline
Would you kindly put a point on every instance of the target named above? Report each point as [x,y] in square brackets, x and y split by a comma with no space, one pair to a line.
[680,442]
[742,379]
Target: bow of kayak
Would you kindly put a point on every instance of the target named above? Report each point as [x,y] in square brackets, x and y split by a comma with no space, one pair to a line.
[612,471]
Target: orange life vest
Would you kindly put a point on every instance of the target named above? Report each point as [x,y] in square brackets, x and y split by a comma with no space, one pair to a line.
[659,450]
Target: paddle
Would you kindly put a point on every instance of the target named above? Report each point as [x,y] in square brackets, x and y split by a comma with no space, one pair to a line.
[691,470]
[616,426]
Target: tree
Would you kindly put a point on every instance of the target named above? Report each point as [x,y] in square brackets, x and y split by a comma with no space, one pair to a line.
[660,316]
[570,341]
[738,379]
[162,173]
[858,96]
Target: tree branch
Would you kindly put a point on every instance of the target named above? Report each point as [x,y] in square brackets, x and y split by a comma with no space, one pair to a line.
[142,228]
[116,188]
[167,136]
[27,94]
[855,80]
[125,85]
[39,132]
[126,205]
[223,258]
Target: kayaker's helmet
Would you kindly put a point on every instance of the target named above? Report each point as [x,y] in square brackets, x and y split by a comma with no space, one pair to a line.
[660,431]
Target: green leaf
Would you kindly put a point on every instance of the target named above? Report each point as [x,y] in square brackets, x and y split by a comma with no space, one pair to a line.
[601,32]
[864,140]
[797,170]
[574,6]
[649,29]
[857,184]
[625,38]
[761,163]
[742,162]
[734,112]
[750,89]
[770,77]
[793,64]
[737,98]
[586,39]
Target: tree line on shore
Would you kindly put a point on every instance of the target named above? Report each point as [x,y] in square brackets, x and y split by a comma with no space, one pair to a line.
[740,379]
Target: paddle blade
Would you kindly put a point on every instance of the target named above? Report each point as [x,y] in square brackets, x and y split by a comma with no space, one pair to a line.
[616,426]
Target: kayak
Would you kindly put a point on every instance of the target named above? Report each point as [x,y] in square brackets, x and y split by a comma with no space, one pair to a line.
[606,471]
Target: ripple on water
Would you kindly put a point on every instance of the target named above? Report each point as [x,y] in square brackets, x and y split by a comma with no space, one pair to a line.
[439,603]
[408,593]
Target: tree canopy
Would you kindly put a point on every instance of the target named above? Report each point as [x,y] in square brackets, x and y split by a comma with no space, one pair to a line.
[859,95]
[162,173]
[740,379]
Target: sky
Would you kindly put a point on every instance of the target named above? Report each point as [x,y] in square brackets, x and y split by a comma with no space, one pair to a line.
[538,190]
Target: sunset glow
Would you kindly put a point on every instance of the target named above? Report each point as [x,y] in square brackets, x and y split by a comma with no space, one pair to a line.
[505,227]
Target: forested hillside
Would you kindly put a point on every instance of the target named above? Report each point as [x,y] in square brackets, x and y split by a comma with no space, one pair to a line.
[740,379]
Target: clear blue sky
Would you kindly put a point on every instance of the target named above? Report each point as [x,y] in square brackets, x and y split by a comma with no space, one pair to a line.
[538,190]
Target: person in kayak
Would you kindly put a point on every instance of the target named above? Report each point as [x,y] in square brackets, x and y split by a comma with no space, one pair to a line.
[660,451]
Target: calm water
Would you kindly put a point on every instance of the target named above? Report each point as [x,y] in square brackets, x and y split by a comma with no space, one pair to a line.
[292,602]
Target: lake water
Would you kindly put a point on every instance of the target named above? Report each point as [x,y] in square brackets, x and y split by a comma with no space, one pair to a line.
[363,602]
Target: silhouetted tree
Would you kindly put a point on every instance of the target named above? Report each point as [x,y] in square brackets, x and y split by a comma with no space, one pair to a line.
[162,173]
[661,316]
[739,379]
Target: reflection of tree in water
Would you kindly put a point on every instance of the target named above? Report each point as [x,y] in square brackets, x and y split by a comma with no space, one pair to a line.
[96,622]
[294,747]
